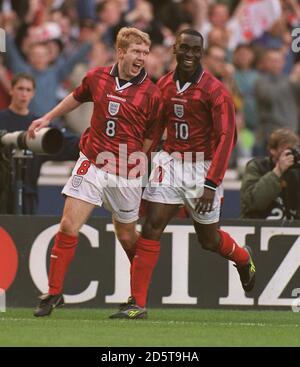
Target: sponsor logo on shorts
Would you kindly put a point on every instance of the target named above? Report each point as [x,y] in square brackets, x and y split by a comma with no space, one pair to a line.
[126,211]
[76,181]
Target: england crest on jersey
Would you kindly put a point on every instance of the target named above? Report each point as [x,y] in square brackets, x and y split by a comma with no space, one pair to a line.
[113,108]
[179,110]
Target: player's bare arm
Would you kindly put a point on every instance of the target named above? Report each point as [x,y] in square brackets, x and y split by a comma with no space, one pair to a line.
[66,105]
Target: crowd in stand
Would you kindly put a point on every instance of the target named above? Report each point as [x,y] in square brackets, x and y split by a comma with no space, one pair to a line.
[57,41]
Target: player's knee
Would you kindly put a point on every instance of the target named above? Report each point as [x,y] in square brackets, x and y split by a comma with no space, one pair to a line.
[126,239]
[152,229]
[209,243]
[67,227]
[209,246]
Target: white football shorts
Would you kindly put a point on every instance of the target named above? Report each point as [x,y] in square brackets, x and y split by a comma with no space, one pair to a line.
[173,181]
[119,195]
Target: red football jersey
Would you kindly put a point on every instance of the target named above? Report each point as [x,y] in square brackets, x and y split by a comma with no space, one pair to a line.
[123,113]
[200,117]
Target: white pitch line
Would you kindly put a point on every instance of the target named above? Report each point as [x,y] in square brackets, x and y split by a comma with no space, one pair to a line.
[158,322]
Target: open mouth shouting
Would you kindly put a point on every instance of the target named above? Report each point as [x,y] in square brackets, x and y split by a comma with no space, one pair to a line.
[136,68]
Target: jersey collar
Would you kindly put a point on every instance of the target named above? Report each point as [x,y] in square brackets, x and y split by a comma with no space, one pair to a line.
[195,79]
[123,84]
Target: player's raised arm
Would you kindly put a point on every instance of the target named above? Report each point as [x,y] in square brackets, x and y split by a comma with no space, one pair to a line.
[66,105]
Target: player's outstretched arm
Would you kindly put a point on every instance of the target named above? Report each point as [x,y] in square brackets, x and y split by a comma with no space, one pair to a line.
[66,105]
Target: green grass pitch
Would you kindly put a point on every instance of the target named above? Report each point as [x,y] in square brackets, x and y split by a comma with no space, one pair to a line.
[164,327]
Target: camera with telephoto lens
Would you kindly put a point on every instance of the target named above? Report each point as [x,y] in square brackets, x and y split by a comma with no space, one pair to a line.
[296,153]
[46,141]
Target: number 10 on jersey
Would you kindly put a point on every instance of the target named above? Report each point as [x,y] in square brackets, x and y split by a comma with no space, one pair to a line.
[181,130]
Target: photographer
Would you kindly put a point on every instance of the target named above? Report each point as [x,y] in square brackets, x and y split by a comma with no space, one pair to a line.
[18,117]
[271,185]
